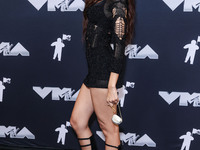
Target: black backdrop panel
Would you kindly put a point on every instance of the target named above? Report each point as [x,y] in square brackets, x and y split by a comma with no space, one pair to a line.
[43,64]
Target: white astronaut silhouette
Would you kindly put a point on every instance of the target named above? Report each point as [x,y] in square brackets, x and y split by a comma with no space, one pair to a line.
[192,48]
[58,48]
[187,139]
[62,133]
[121,94]
[2,87]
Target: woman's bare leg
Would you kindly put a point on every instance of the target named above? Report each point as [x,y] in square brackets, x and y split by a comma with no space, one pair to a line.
[104,115]
[81,114]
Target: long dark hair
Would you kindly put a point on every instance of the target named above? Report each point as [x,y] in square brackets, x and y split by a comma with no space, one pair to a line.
[130,18]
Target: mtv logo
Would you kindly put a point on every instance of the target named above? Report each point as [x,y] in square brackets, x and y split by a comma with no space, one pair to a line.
[130,84]
[196,131]
[66,37]
[6,80]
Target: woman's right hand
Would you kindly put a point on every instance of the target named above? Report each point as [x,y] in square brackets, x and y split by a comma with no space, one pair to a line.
[112,97]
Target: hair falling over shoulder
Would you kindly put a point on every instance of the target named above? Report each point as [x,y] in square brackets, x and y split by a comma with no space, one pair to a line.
[130,18]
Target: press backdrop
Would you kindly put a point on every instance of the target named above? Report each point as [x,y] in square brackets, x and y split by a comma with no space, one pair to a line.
[43,64]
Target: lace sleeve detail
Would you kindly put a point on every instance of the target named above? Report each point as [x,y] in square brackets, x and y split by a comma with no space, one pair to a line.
[119,19]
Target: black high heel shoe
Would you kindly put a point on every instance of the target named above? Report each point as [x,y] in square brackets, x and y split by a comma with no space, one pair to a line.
[92,142]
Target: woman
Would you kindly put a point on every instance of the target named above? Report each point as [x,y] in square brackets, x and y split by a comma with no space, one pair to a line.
[107,28]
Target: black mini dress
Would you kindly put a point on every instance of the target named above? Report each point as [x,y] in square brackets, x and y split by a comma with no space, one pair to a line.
[105,42]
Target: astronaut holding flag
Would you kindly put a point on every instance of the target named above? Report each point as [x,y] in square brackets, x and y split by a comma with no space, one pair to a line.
[188,138]
[62,132]
[2,87]
[59,46]
[192,48]
[123,91]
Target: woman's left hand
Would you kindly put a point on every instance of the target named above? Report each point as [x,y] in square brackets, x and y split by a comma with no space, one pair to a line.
[112,97]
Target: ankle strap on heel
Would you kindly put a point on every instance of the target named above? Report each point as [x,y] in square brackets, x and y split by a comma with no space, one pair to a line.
[92,142]
[86,144]
[84,138]
[117,147]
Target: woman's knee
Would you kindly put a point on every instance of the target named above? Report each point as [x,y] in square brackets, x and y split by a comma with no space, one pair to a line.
[77,124]
[73,122]
[109,129]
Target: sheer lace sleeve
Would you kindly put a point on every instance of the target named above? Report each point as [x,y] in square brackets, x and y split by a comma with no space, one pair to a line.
[119,19]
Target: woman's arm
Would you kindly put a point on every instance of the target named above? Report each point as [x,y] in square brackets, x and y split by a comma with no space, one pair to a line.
[113,79]
[112,97]
[119,19]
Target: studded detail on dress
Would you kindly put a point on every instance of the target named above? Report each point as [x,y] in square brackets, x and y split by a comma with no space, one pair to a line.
[105,42]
